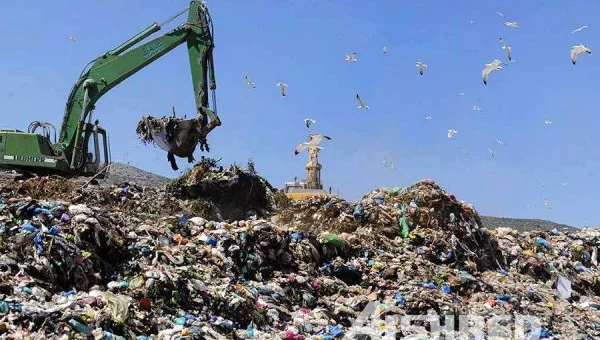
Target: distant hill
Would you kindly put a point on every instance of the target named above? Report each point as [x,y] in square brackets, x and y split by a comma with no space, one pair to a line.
[522,224]
[120,173]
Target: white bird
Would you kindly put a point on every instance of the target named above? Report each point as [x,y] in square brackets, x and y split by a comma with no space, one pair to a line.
[387,163]
[250,83]
[547,204]
[493,66]
[282,88]
[428,118]
[579,29]
[548,122]
[451,133]
[500,14]
[512,24]
[476,108]
[506,47]
[361,103]
[313,142]
[72,38]
[577,50]
[351,58]
[500,142]
[385,49]
[308,122]
[421,66]
[491,152]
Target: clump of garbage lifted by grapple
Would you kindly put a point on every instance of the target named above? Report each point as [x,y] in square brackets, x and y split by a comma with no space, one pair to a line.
[178,137]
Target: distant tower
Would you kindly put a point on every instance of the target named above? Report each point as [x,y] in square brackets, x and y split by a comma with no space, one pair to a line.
[313,169]
[251,166]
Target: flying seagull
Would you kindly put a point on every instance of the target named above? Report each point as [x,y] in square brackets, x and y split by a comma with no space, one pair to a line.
[501,142]
[506,47]
[313,142]
[512,24]
[421,66]
[250,83]
[282,88]
[451,133]
[577,50]
[387,163]
[351,58]
[493,66]
[385,49]
[491,152]
[476,108]
[428,118]
[579,29]
[361,103]
[308,122]
[72,38]
[548,122]
[500,14]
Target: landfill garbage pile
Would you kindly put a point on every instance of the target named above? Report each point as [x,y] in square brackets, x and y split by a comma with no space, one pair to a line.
[148,126]
[78,268]
[235,192]
[433,219]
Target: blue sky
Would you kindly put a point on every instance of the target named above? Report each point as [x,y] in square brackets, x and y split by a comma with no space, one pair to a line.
[303,43]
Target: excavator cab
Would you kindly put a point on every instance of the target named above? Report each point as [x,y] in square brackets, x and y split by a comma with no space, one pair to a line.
[97,152]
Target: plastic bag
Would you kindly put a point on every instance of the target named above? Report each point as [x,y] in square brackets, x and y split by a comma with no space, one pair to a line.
[118,305]
[563,288]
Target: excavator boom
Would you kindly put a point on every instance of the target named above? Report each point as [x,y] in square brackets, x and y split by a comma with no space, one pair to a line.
[71,154]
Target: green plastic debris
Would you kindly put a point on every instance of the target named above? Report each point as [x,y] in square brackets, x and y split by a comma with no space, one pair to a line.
[175,297]
[395,191]
[405,227]
[334,240]
[4,307]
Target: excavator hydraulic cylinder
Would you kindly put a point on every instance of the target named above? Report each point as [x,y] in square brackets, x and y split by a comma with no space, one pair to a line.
[136,39]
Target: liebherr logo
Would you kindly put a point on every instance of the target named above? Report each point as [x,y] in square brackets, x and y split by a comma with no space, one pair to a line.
[376,322]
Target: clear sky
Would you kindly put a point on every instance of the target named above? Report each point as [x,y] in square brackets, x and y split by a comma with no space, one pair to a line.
[303,43]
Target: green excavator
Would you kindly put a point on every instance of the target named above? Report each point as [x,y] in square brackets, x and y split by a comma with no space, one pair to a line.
[83,146]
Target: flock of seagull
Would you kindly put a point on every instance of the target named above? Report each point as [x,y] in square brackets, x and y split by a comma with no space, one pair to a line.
[494,65]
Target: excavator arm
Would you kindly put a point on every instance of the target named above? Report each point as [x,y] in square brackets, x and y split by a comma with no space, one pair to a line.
[115,66]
